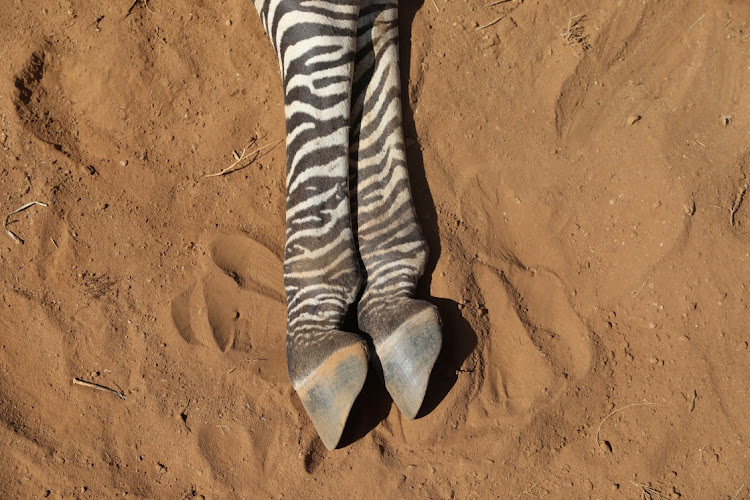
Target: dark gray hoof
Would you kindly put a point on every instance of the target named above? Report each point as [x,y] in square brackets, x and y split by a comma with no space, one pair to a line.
[328,393]
[408,356]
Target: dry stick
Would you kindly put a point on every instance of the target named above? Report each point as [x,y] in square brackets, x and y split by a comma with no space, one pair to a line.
[738,492]
[99,387]
[696,22]
[17,239]
[737,203]
[492,22]
[247,359]
[598,430]
[496,3]
[436,7]
[638,292]
[242,157]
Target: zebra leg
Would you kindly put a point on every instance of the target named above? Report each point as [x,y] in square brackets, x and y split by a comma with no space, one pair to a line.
[315,45]
[406,332]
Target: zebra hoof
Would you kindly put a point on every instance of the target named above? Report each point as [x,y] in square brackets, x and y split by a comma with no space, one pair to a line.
[328,393]
[407,357]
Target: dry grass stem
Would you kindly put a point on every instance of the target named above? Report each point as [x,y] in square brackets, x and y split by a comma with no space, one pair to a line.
[738,492]
[99,387]
[696,23]
[245,361]
[241,157]
[599,429]
[638,292]
[492,22]
[16,238]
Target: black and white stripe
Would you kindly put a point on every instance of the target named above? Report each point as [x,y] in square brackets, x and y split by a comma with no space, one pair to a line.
[349,208]
[389,239]
[314,42]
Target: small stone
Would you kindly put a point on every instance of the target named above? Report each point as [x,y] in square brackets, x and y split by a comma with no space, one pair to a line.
[653,360]
[632,119]
[228,22]
[123,163]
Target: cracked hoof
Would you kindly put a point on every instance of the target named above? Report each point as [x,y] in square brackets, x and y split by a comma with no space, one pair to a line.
[408,356]
[328,393]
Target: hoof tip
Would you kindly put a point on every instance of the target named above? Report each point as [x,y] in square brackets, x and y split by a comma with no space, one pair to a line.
[328,393]
[408,356]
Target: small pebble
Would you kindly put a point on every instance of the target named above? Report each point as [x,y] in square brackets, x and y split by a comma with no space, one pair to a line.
[633,119]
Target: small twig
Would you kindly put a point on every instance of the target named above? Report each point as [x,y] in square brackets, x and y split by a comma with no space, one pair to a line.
[699,142]
[99,387]
[145,4]
[16,238]
[737,203]
[638,292]
[436,6]
[598,430]
[498,2]
[492,22]
[54,242]
[242,157]
[712,206]
[738,492]
[696,22]
[528,491]
[246,360]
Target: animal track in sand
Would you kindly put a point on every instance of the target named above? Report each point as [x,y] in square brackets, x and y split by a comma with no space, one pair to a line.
[237,303]
[536,342]
[38,100]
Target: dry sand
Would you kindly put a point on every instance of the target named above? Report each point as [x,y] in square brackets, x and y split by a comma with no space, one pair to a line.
[581,187]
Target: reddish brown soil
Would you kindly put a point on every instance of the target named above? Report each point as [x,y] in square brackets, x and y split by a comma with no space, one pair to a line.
[581,191]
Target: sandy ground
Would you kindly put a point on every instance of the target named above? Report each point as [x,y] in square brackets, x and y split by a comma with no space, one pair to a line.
[582,183]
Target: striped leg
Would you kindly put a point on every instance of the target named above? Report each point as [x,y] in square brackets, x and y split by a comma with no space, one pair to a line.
[315,43]
[406,332]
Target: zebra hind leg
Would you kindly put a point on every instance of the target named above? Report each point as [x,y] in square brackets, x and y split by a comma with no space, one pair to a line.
[315,44]
[406,332]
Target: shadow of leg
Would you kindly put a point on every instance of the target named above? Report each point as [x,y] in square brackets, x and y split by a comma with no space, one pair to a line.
[459,339]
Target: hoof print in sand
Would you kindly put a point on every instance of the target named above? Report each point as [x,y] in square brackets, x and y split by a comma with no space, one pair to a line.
[39,103]
[536,340]
[237,302]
